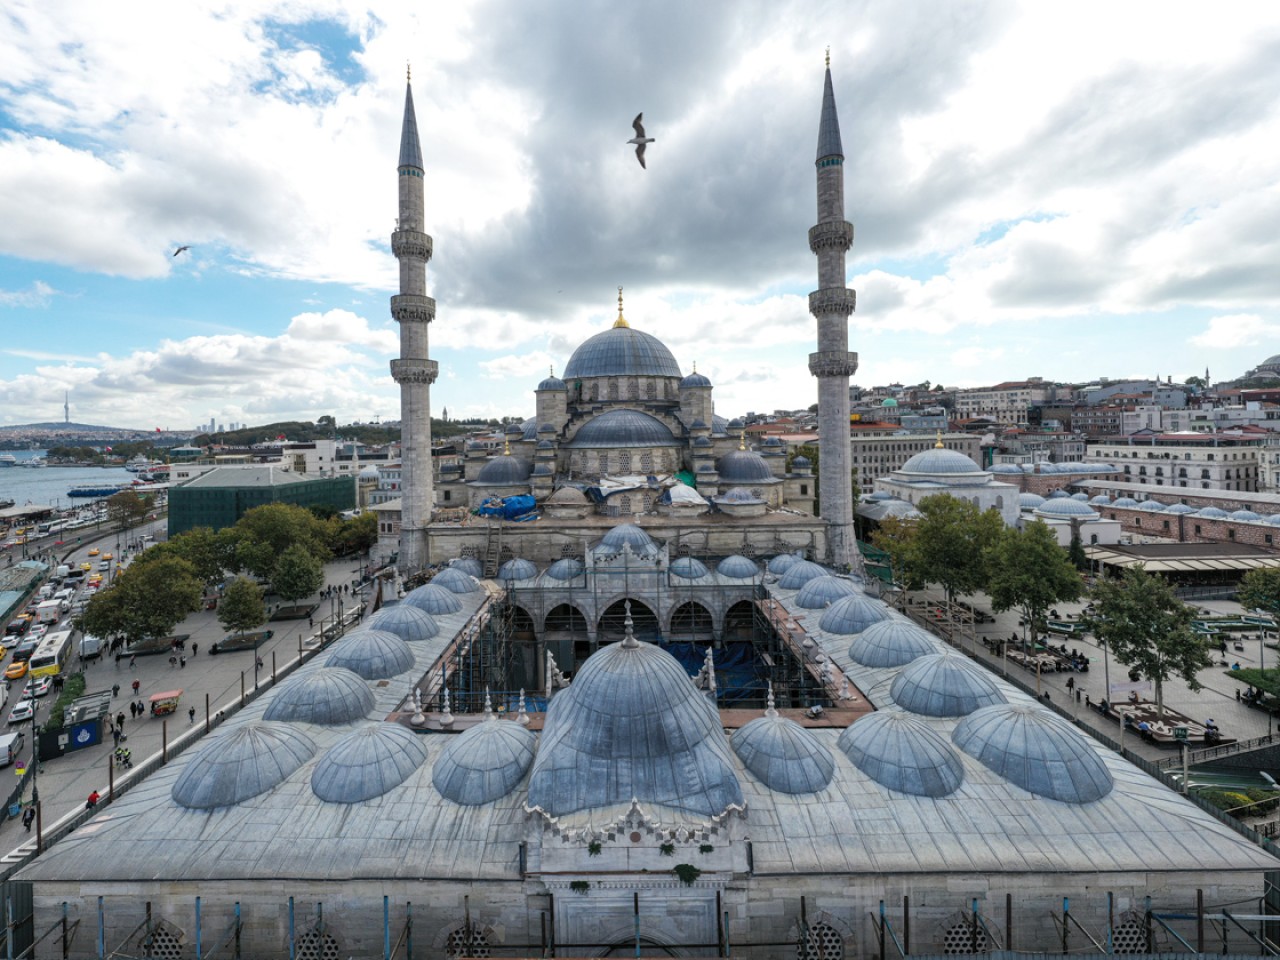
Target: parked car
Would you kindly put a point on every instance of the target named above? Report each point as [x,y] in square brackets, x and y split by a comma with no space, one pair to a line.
[22,711]
[37,687]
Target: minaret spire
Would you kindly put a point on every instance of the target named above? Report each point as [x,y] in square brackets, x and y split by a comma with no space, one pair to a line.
[413,370]
[833,363]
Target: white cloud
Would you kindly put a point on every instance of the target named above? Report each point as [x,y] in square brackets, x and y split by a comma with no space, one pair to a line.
[1237,330]
[38,295]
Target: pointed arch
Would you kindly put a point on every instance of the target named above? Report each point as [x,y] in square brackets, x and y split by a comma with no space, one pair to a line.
[692,621]
[645,622]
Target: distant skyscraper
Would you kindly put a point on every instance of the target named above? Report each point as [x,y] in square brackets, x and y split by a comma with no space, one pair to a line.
[66,406]
[833,364]
[413,370]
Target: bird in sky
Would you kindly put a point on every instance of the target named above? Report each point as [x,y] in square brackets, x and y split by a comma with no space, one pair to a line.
[181,248]
[640,139]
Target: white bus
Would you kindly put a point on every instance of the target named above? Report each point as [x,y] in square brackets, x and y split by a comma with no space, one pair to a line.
[49,658]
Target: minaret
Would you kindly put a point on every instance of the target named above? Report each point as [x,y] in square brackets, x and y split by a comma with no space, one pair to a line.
[415,373]
[833,364]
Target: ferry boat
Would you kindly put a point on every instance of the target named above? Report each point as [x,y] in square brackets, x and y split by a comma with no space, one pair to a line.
[8,460]
[97,489]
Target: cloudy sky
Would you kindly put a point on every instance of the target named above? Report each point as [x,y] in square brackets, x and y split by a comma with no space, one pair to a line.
[1037,189]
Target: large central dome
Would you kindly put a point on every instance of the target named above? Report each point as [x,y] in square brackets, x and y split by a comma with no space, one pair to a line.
[621,352]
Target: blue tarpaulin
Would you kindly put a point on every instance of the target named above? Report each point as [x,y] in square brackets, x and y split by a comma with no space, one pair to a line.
[508,508]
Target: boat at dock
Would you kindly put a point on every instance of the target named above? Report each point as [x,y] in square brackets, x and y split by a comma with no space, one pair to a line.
[97,489]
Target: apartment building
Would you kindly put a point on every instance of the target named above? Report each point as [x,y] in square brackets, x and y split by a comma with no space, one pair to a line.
[1184,460]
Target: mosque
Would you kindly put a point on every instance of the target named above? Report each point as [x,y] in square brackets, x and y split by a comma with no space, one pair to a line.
[634,747]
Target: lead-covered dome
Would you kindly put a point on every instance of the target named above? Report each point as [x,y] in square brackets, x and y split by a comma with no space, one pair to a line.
[1032,748]
[629,535]
[468,565]
[902,753]
[566,568]
[784,562]
[1065,508]
[743,466]
[852,614]
[694,379]
[434,599]
[738,567]
[484,763]
[821,591]
[328,696]
[941,461]
[783,755]
[624,428]
[799,573]
[505,469]
[367,763]
[451,578]
[552,383]
[404,620]
[943,685]
[372,654]
[892,642]
[632,725]
[621,352]
[688,568]
[241,764]
[518,569]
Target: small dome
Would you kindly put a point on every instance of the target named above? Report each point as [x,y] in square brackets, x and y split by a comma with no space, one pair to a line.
[514,429]
[240,764]
[1101,500]
[1081,496]
[738,495]
[629,535]
[451,578]
[367,763]
[1004,468]
[783,755]
[1212,513]
[484,763]
[800,462]
[852,614]
[901,752]
[623,428]
[372,654]
[699,424]
[468,565]
[738,567]
[518,569]
[1124,502]
[1274,519]
[773,442]
[328,696]
[888,402]
[784,562]
[433,599]
[621,352]
[799,573]
[940,461]
[1065,507]
[1032,748]
[701,442]
[893,642]
[552,383]
[1029,501]
[565,568]
[1151,506]
[1248,515]
[821,591]
[1059,495]
[404,620]
[570,496]
[369,473]
[743,466]
[545,445]
[944,685]
[719,426]
[1180,508]
[689,568]
[505,470]
[694,379]
[546,429]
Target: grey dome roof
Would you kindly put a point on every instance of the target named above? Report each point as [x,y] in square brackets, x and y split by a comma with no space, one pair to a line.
[938,460]
[783,755]
[404,620]
[1124,502]
[689,568]
[367,763]
[545,444]
[1003,468]
[1031,747]
[719,425]
[484,763]
[701,442]
[369,473]
[852,614]
[1029,500]
[328,696]
[738,567]
[568,495]
[543,470]
[1058,494]
[699,424]
[800,460]
[1081,495]
[505,469]
[1274,519]
[1212,513]
[624,428]
[1101,500]
[821,591]
[892,642]
[901,752]
[372,654]
[552,383]
[1151,506]
[738,495]
[518,569]
[547,429]
[1180,508]
[1065,507]
[240,764]
[943,685]
[468,565]
[800,573]
[628,534]
[621,351]
[694,379]
[632,725]
[1244,515]
[451,578]
[743,466]
[434,599]
[565,568]
[784,562]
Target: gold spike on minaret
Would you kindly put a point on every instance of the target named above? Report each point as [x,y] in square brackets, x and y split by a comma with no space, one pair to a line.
[938,445]
[621,321]
[408,71]
[828,58]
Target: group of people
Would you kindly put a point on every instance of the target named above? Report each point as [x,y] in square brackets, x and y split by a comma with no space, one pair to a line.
[124,757]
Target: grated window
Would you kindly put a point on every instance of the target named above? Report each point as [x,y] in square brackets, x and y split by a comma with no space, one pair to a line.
[820,942]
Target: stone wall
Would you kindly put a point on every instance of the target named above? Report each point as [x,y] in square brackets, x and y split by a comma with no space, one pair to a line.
[1184,528]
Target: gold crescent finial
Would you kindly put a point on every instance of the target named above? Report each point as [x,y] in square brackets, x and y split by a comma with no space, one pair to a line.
[938,445]
[742,440]
[551,369]
[506,448]
[828,58]
[621,321]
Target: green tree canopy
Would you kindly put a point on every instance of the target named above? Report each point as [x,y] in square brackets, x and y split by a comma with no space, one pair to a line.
[895,536]
[241,607]
[950,544]
[126,508]
[355,535]
[264,533]
[1260,590]
[212,554]
[1146,627]
[1027,569]
[146,600]
[297,574]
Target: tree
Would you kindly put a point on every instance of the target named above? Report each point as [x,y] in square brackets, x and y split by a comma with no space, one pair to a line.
[264,533]
[1027,569]
[1260,590]
[241,607]
[1075,553]
[1147,628]
[212,554]
[297,574]
[951,542]
[356,535]
[1198,382]
[126,508]
[146,600]
[895,537]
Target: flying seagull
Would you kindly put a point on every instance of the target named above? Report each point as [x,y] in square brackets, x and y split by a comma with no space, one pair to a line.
[180,249]
[639,139]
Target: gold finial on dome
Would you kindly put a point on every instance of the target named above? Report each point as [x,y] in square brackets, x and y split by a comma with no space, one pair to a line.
[408,72]
[621,321]
[938,445]
[506,448]
[551,369]
[742,440]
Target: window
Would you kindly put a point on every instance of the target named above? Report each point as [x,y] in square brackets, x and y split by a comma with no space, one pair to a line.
[1197,529]
[1231,533]
[448,494]
[804,489]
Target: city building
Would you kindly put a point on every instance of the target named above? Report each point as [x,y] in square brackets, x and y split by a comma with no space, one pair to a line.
[221,496]
[1010,402]
[1185,460]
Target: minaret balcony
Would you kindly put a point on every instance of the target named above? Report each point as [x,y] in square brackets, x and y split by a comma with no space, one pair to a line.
[831,235]
[833,363]
[413,308]
[414,371]
[411,243]
[832,301]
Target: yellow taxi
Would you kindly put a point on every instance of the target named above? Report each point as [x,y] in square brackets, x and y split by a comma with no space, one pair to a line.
[107,556]
[94,551]
[16,670]
[86,566]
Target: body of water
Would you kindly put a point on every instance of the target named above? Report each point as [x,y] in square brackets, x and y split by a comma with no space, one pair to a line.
[48,486]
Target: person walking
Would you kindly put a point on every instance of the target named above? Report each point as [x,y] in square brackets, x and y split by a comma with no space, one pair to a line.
[120,720]
[191,715]
[115,690]
[194,647]
[28,817]
[137,684]
[182,662]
